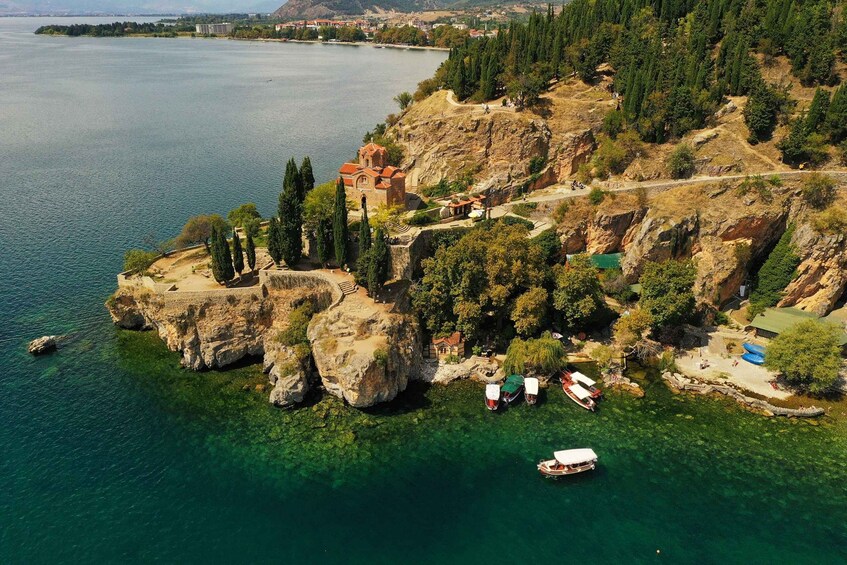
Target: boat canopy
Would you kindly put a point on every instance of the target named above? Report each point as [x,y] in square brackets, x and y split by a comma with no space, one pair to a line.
[515,379]
[492,392]
[580,392]
[575,456]
[531,384]
[580,378]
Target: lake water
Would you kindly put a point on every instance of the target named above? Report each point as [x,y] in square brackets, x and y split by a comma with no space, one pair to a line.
[112,453]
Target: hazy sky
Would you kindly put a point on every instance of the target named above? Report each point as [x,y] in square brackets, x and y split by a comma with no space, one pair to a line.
[135,6]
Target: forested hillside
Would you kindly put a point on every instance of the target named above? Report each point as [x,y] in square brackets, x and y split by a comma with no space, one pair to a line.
[674,62]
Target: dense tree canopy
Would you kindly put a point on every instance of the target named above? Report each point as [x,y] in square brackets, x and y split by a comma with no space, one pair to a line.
[667,293]
[476,280]
[245,213]
[578,296]
[808,354]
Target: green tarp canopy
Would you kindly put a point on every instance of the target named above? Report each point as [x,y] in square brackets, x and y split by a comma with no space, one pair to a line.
[607,261]
[777,320]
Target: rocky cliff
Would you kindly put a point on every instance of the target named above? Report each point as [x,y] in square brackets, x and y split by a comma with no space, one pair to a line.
[444,139]
[723,228]
[363,352]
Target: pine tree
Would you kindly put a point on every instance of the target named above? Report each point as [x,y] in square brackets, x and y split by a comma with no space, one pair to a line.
[307,177]
[378,264]
[793,145]
[237,254]
[291,215]
[339,224]
[817,110]
[836,116]
[274,249]
[250,250]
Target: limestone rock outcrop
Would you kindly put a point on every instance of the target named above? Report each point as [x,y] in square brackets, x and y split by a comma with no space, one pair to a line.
[288,373]
[365,355]
[42,345]
[822,274]
[498,144]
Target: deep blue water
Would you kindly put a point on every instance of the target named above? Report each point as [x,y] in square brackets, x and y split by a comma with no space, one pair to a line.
[109,452]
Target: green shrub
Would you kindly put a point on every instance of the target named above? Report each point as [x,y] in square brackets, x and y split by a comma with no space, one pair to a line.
[524,209]
[807,354]
[544,355]
[298,323]
[381,357]
[832,221]
[818,190]
[139,260]
[596,195]
[420,219]
[536,164]
[513,221]
[680,162]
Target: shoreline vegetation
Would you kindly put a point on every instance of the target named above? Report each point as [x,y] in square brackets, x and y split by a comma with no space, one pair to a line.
[397,46]
[557,288]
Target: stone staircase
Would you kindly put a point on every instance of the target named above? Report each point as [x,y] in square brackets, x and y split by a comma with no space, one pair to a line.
[398,228]
[347,287]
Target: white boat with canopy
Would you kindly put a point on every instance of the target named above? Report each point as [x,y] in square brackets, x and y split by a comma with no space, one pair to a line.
[492,396]
[569,462]
[530,390]
[588,383]
[579,395]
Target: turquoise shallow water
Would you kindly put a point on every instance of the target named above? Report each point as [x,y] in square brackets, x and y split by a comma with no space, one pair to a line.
[112,453]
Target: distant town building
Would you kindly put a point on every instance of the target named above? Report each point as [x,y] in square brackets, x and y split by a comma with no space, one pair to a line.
[442,347]
[374,179]
[214,29]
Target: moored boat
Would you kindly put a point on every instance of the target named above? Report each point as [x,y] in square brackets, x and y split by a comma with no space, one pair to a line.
[753,358]
[576,392]
[568,462]
[754,349]
[512,388]
[492,396]
[530,390]
[588,383]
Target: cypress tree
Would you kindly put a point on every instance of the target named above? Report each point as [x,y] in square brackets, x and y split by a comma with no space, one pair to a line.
[291,215]
[217,257]
[323,235]
[274,249]
[364,231]
[221,257]
[378,264]
[226,257]
[237,254]
[250,250]
[307,177]
[459,79]
[339,224]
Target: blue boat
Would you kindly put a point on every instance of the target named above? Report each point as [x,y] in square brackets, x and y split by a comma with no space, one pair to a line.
[753,358]
[754,349]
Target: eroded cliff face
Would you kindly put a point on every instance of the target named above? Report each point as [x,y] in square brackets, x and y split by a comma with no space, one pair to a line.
[362,352]
[724,231]
[498,145]
[822,275]
[365,355]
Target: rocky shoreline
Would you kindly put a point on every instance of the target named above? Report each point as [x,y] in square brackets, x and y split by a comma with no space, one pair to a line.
[680,383]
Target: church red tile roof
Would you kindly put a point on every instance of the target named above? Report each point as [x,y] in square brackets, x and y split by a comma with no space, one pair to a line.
[348,168]
[452,340]
[372,148]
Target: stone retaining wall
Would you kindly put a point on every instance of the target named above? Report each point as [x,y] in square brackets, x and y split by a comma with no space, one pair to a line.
[682,383]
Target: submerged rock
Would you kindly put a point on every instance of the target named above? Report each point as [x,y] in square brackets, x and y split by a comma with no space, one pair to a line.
[288,373]
[42,345]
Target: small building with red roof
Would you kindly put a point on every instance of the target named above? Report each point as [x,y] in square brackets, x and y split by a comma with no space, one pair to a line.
[453,344]
[374,179]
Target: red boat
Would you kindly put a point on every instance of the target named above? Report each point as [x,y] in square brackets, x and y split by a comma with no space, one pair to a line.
[492,396]
[576,392]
